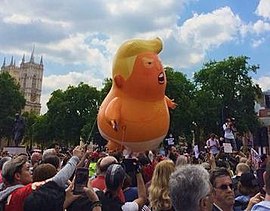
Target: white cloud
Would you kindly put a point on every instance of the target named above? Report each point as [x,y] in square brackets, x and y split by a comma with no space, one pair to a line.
[201,33]
[261,27]
[17,19]
[210,29]
[256,43]
[264,82]
[84,35]
[54,82]
[263,9]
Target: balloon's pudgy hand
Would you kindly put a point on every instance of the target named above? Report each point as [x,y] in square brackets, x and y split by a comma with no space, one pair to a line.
[114,125]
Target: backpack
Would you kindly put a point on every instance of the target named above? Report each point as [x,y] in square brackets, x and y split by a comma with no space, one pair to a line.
[2,204]
[9,191]
[108,202]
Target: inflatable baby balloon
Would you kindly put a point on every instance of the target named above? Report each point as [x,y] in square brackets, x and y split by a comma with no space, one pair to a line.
[134,115]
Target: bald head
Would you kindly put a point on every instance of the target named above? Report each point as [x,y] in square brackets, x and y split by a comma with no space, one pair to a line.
[106,162]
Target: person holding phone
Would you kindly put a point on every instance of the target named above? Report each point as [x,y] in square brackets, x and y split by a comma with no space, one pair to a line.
[114,179]
[87,200]
[99,181]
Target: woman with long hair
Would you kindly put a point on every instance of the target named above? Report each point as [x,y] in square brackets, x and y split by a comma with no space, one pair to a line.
[159,189]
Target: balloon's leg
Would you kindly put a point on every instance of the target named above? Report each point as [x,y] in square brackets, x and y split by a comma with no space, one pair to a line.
[112,146]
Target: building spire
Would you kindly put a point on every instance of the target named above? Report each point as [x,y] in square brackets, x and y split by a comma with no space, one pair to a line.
[11,61]
[41,60]
[32,55]
[4,62]
[14,63]
[23,59]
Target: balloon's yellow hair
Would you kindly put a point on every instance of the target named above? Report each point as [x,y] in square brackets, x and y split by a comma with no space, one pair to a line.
[125,56]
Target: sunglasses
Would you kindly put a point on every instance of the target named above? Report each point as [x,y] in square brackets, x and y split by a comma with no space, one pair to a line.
[225,187]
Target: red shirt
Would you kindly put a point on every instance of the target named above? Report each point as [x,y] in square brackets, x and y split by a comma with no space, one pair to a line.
[16,198]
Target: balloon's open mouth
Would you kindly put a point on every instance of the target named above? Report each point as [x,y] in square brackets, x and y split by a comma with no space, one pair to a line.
[161,78]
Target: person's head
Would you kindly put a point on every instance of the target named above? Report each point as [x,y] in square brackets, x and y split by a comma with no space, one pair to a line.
[43,172]
[181,160]
[172,149]
[105,162]
[190,189]
[266,177]
[47,197]
[17,115]
[206,165]
[114,177]
[48,152]
[17,171]
[52,159]
[172,153]
[57,147]
[35,158]
[221,181]
[159,188]
[243,160]
[212,135]
[241,168]
[248,184]
[263,160]
[3,160]
[228,120]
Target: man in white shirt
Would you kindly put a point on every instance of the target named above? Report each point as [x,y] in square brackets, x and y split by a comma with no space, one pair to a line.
[229,130]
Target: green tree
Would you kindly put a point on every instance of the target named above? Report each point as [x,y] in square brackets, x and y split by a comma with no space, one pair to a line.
[70,110]
[11,102]
[181,90]
[90,129]
[225,89]
[42,131]
[30,119]
[107,84]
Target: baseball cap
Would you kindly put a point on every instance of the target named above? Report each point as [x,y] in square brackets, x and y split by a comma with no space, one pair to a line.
[13,166]
[115,176]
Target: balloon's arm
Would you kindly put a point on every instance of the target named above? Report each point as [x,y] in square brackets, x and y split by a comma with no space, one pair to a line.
[113,112]
[170,103]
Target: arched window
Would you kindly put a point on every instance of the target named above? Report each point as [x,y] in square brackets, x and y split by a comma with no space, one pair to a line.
[34,82]
[34,89]
[24,81]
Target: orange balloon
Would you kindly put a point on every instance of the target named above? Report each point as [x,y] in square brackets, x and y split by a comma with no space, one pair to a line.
[134,114]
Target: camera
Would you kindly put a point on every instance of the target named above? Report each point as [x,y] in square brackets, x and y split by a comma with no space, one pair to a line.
[81,180]
[131,165]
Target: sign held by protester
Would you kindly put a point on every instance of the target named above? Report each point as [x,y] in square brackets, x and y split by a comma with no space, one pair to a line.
[227,147]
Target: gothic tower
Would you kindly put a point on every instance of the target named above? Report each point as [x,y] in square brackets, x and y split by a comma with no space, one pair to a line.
[29,75]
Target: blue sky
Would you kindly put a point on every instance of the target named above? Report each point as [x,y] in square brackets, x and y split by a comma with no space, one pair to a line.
[78,39]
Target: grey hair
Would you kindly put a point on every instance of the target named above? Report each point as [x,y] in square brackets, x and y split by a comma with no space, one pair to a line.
[188,185]
[181,161]
[48,152]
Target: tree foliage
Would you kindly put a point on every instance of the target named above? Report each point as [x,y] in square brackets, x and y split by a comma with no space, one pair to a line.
[70,110]
[225,89]
[220,89]
[11,102]
[181,90]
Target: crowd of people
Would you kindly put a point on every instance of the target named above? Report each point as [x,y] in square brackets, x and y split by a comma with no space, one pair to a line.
[121,180]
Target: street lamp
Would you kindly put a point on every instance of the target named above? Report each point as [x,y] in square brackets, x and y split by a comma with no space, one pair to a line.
[222,113]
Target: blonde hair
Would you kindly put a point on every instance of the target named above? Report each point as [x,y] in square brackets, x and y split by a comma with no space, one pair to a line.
[126,55]
[159,189]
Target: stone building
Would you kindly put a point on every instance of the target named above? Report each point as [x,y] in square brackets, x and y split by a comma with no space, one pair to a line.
[262,136]
[29,75]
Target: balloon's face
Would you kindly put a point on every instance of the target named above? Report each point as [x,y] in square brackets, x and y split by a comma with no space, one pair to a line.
[148,79]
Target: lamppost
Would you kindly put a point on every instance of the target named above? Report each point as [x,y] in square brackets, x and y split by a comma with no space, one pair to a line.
[222,113]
